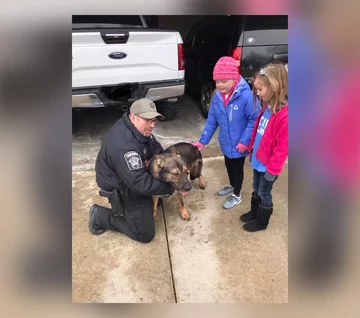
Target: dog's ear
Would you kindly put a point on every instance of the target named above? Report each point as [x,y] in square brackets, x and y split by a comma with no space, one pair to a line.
[160,163]
[174,151]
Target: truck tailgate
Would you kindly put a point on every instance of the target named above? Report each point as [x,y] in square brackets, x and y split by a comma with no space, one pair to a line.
[147,56]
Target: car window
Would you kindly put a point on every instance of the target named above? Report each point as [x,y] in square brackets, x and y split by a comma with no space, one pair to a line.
[190,38]
[200,38]
[215,35]
[259,22]
[222,30]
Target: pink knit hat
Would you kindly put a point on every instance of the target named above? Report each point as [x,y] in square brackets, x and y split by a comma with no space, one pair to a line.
[226,68]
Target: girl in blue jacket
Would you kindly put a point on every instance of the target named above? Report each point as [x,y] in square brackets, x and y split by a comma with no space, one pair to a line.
[232,108]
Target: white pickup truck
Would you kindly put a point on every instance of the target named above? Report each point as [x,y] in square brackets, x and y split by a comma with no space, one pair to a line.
[118,59]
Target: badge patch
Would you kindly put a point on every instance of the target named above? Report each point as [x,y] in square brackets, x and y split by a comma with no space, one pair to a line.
[133,160]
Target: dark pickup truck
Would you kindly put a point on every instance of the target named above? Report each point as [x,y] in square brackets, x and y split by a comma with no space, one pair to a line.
[252,40]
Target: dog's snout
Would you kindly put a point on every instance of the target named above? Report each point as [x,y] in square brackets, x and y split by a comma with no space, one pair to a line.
[187,187]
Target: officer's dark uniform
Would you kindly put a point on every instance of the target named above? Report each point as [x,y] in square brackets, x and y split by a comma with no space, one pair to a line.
[120,165]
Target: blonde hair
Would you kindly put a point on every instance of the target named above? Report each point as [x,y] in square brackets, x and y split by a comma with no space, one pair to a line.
[275,77]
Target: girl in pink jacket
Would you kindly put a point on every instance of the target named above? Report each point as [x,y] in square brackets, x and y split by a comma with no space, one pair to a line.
[269,143]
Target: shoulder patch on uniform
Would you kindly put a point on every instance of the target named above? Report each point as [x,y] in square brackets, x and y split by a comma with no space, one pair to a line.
[133,160]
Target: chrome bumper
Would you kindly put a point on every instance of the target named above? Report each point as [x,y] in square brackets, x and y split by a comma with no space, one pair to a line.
[159,93]
[86,100]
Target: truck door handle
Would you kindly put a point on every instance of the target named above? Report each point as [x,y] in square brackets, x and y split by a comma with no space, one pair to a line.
[115,35]
[115,38]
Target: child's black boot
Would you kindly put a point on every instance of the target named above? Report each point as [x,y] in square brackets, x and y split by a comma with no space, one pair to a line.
[251,215]
[261,222]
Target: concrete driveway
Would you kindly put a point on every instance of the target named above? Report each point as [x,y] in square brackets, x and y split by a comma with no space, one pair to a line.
[209,259]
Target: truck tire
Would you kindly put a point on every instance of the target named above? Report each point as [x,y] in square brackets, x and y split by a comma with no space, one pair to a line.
[167,109]
[205,98]
[75,120]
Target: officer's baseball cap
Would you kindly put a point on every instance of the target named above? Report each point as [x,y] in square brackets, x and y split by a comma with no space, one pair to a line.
[145,108]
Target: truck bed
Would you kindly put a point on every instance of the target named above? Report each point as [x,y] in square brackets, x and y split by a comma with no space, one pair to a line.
[119,56]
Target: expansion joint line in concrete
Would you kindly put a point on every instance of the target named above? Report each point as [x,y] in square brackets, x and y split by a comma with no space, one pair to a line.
[168,248]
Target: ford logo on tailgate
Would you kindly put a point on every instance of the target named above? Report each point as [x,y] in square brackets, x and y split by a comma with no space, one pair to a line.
[117,55]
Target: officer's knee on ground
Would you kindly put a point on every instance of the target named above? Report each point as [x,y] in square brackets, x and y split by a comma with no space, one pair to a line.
[146,238]
[145,227]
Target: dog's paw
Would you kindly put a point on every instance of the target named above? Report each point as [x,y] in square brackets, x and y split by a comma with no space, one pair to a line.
[202,183]
[185,217]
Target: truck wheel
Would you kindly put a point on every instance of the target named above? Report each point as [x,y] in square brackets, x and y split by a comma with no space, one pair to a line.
[167,109]
[205,98]
[75,121]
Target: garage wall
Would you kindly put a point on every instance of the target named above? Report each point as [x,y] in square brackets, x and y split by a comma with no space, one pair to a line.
[180,23]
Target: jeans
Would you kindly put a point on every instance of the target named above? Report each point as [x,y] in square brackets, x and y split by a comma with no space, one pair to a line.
[263,187]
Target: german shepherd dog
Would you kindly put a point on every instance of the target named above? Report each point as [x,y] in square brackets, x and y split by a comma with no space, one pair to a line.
[174,165]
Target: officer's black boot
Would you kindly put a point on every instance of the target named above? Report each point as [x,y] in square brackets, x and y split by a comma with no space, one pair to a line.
[93,214]
[251,215]
[261,222]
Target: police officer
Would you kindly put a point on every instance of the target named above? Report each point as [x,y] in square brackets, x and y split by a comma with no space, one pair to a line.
[121,171]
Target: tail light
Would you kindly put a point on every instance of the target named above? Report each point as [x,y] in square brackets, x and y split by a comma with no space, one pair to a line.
[181,58]
[236,55]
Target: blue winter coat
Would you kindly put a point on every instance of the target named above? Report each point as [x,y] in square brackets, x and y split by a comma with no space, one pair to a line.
[236,121]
